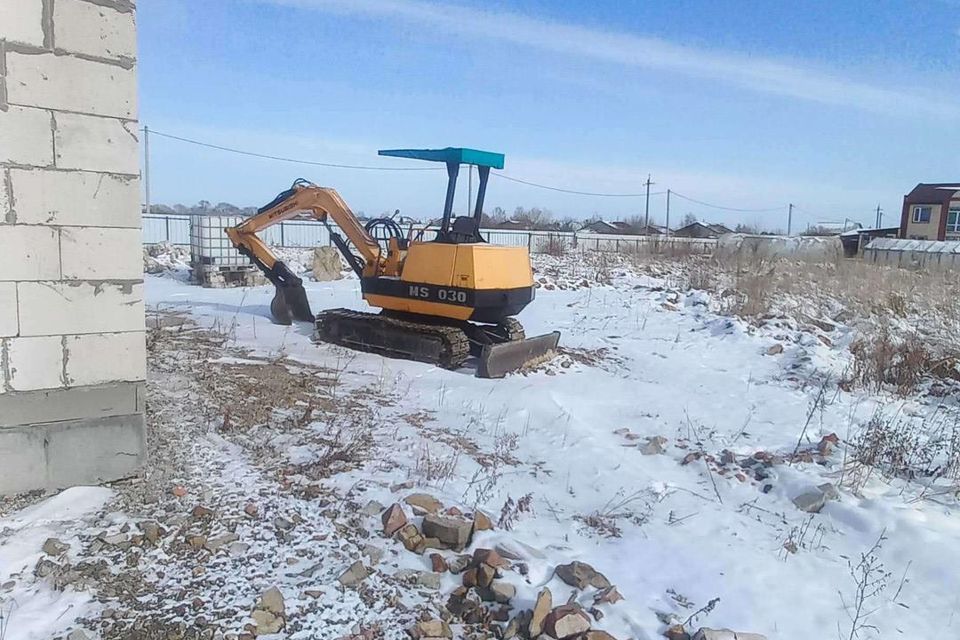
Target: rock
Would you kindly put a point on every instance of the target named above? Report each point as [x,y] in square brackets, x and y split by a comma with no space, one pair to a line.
[197,542]
[654,446]
[811,501]
[429,580]
[179,491]
[580,575]
[151,531]
[829,491]
[452,511]
[518,626]
[609,595]
[44,568]
[775,349]
[481,522]
[372,508]
[676,632]
[272,601]
[238,549]
[327,264]
[503,592]
[540,611]
[725,634]
[54,547]
[77,634]
[373,553]
[115,539]
[266,623]
[451,530]
[490,557]
[354,575]
[201,511]
[432,543]
[251,510]
[437,563]
[479,576]
[282,524]
[393,519]
[459,564]
[213,544]
[566,621]
[410,537]
[423,503]
[431,629]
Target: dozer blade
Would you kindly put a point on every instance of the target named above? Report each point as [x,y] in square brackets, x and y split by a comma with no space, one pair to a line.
[290,303]
[497,360]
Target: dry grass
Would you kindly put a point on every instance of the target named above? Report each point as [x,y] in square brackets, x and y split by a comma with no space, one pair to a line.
[906,322]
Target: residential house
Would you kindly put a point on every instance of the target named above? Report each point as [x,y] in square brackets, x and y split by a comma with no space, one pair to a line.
[602,226]
[931,212]
[701,230]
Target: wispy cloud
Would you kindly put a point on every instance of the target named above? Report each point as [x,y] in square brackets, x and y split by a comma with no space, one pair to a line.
[754,73]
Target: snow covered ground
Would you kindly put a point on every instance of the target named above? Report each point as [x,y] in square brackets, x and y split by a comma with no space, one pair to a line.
[741,415]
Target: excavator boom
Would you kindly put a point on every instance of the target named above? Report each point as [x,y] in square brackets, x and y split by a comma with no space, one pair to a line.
[321,203]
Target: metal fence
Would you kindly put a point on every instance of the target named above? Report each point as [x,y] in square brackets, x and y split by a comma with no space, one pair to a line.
[175,229]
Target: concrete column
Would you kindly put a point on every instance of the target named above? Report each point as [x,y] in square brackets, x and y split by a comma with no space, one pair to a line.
[72,354]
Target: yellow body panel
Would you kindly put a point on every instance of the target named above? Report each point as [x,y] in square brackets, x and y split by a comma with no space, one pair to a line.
[465,266]
[411,305]
[470,266]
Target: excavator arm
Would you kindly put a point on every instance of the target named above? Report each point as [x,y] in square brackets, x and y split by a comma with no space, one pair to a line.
[323,204]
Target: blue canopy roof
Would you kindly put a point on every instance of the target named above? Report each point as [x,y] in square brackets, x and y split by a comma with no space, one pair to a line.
[454,155]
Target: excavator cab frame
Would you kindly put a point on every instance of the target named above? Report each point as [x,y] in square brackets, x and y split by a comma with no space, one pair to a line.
[465,229]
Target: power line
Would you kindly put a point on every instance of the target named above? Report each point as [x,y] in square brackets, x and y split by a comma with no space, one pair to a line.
[717,206]
[578,193]
[293,160]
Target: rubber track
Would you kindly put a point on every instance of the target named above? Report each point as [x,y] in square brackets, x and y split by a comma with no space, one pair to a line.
[512,330]
[381,335]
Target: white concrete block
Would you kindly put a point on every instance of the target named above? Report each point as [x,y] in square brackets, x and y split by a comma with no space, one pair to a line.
[83,27]
[106,357]
[48,308]
[22,21]
[93,253]
[35,363]
[71,84]
[27,136]
[8,309]
[96,144]
[29,253]
[76,198]
[23,460]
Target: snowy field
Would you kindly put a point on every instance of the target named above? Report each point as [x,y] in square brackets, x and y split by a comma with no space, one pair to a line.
[668,446]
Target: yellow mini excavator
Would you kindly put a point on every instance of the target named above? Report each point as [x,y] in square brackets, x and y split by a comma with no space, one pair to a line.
[441,300]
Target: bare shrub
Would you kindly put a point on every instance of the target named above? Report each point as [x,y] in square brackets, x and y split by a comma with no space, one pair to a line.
[881,359]
[554,245]
[871,580]
[905,449]
[511,511]
[635,508]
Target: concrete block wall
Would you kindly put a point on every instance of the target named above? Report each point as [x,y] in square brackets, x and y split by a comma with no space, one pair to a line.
[72,354]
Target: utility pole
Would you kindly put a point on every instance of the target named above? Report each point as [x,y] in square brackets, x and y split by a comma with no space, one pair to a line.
[789,218]
[646,217]
[668,213]
[879,217]
[146,166]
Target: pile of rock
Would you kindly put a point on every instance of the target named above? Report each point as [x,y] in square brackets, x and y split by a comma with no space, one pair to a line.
[449,529]
[485,597]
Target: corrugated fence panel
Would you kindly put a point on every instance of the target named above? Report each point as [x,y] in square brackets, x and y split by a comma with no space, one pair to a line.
[175,229]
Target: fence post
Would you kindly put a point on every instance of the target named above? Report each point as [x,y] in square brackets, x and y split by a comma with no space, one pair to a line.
[282,242]
[166,224]
[529,242]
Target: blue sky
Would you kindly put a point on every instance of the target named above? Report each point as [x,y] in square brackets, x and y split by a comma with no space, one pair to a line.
[834,106]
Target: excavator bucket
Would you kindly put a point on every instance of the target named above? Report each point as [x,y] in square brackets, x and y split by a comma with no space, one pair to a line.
[290,303]
[497,360]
